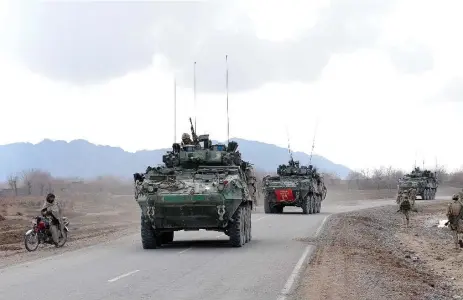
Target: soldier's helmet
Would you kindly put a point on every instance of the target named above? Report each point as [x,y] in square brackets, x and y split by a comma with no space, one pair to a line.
[455,197]
[185,136]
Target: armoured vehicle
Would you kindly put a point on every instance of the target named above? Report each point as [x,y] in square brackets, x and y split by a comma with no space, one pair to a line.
[294,185]
[424,181]
[199,186]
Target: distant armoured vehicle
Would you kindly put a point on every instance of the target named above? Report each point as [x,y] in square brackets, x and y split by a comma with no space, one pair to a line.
[294,185]
[424,182]
[200,186]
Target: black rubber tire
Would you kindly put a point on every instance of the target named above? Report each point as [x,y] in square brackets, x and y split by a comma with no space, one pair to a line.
[237,229]
[247,223]
[167,237]
[306,205]
[278,209]
[267,208]
[250,224]
[30,249]
[149,239]
[312,205]
[317,204]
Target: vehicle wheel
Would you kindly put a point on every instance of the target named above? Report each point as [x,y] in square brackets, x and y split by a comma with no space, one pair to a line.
[312,205]
[317,204]
[237,234]
[267,208]
[31,241]
[167,237]
[248,223]
[307,205]
[434,194]
[428,195]
[149,238]
[62,239]
[279,209]
[320,206]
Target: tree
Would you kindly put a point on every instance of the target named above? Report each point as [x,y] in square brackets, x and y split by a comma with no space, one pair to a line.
[13,183]
[353,176]
[378,176]
[26,177]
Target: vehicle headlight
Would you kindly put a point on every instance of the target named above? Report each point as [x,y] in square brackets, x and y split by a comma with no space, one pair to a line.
[150,188]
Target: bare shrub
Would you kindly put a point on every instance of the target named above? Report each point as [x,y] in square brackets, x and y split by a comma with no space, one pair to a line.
[13,183]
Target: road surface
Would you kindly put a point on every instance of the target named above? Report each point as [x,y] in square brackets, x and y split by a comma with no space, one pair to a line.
[198,265]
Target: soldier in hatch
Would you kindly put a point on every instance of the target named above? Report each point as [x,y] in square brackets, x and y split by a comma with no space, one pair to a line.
[186,140]
[51,209]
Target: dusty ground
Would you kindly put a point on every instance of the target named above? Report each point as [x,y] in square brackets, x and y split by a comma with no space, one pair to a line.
[370,254]
[94,218]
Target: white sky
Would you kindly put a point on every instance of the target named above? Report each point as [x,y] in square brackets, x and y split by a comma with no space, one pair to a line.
[363,103]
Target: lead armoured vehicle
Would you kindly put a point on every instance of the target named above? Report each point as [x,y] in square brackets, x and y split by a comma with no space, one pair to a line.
[424,181]
[199,186]
[295,185]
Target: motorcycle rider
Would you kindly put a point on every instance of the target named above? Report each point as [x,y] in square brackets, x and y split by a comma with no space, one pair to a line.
[51,208]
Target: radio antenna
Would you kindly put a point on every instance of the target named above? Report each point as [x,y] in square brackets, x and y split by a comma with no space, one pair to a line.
[194,90]
[175,110]
[226,80]
[289,145]
[313,142]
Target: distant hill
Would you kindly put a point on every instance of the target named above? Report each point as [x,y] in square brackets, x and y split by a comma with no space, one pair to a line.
[80,158]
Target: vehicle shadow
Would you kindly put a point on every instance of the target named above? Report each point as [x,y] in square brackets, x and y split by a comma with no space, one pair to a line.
[211,243]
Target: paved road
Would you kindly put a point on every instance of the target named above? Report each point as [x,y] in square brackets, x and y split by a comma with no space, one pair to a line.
[198,265]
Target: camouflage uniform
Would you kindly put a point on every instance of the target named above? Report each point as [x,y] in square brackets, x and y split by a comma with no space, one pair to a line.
[186,140]
[405,207]
[412,196]
[52,209]
[453,220]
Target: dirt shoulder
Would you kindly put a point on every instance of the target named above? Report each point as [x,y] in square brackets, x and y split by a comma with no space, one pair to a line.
[94,218]
[370,254]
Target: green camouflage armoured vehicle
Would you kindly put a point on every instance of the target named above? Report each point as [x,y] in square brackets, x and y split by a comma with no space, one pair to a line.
[424,182]
[200,186]
[294,185]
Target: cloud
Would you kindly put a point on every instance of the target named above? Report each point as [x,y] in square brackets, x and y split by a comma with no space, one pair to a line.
[452,91]
[93,42]
[412,58]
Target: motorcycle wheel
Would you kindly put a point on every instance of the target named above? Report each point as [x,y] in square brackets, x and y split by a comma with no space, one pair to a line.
[62,239]
[31,237]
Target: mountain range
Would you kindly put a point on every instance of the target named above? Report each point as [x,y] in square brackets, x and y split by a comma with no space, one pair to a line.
[80,158]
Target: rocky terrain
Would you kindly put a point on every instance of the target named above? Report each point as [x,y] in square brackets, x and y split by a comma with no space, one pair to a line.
[371,254]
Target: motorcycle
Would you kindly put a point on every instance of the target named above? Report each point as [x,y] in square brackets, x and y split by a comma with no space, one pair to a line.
[40,233]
